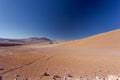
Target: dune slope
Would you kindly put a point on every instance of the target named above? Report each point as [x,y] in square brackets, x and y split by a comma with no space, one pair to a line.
[106,40]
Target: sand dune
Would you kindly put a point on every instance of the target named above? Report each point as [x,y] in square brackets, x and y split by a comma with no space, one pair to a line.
[96,55]
[105,40]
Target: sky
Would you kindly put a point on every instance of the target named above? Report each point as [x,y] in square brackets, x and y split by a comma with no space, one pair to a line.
[58,19]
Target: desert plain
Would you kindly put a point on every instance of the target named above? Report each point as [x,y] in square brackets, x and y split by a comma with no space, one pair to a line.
[97,55]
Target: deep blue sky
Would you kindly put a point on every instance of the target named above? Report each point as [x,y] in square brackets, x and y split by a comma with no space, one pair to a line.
[58,19]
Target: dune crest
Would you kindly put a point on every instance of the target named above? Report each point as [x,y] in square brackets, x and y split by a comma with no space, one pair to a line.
[104,40]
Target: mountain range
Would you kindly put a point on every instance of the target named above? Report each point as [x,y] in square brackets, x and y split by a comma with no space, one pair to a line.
[33,40]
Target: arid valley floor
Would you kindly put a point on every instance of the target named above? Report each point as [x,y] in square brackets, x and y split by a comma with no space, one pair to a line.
[98,55]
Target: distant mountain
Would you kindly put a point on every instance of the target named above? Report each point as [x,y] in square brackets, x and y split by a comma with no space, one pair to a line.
[37,40]
[26,41]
